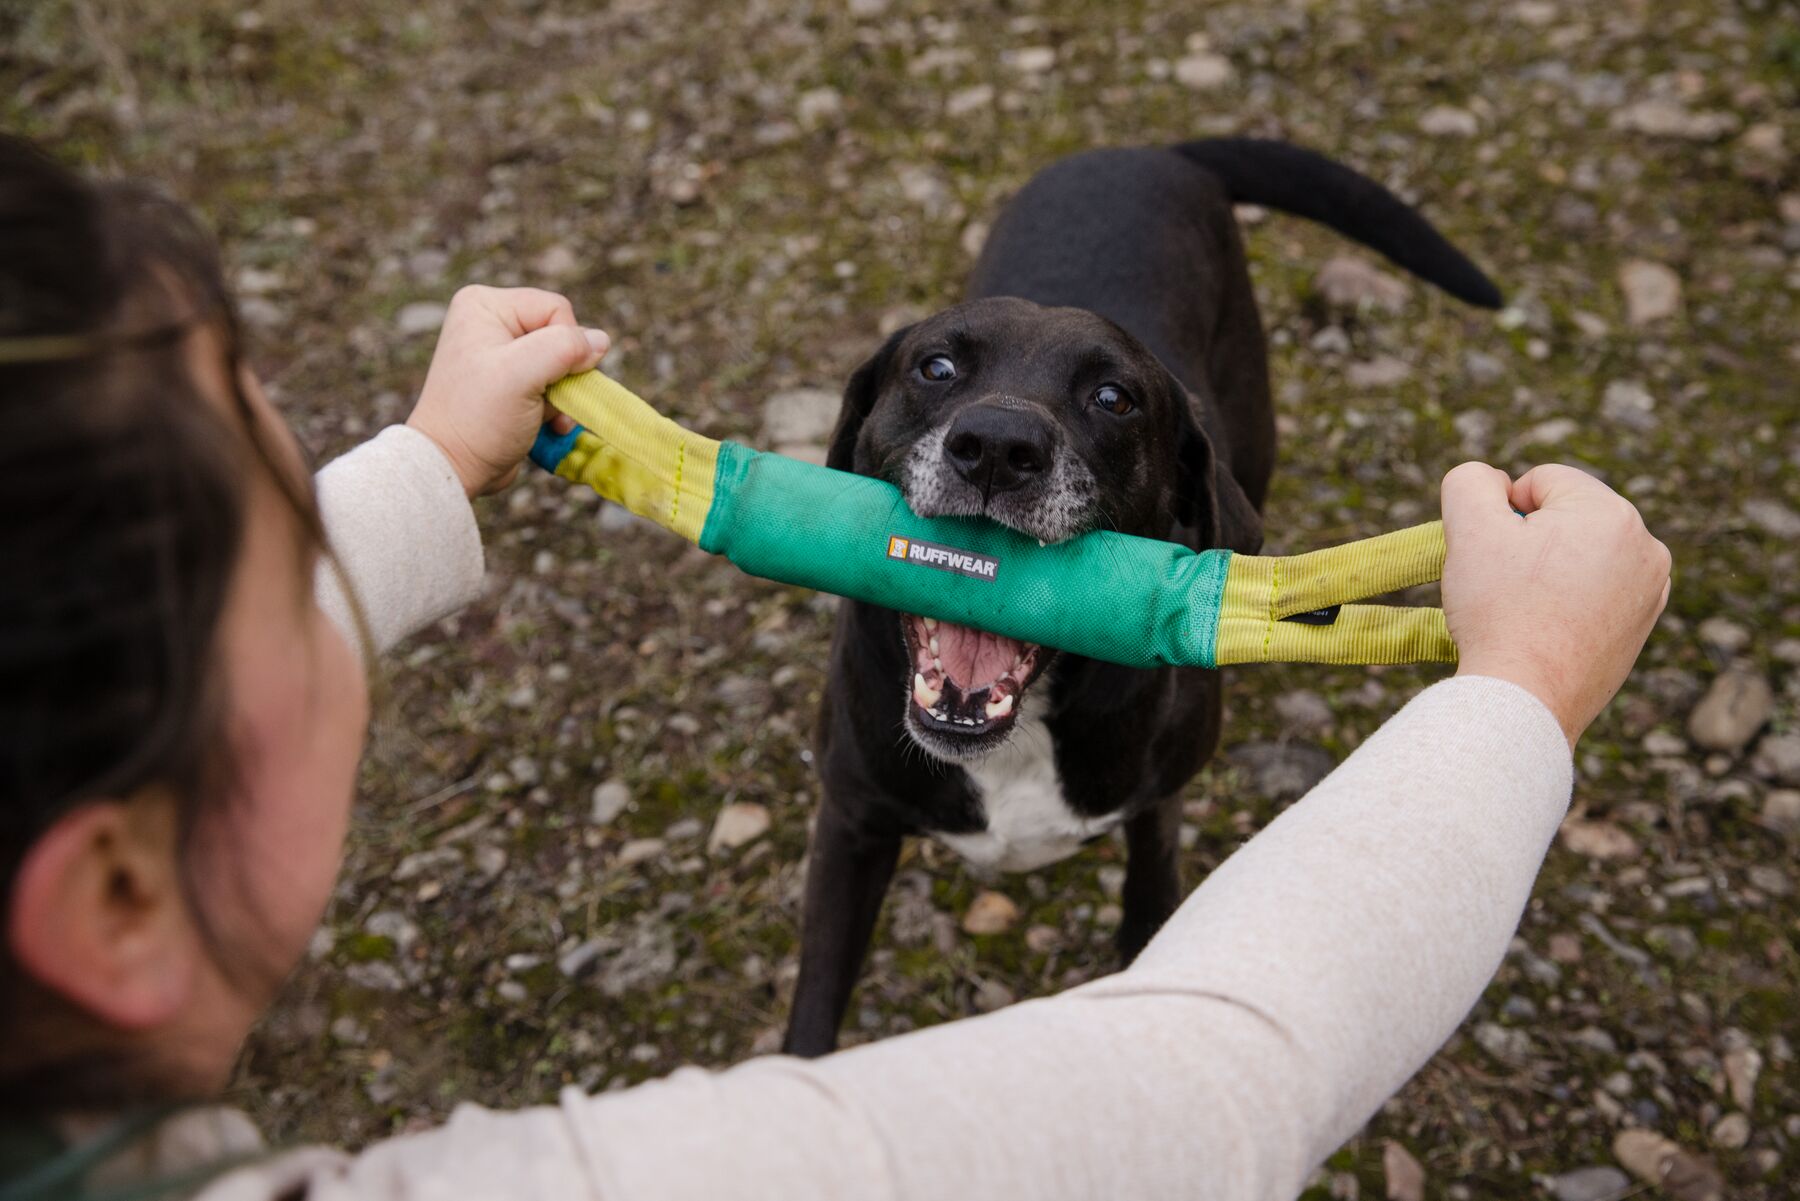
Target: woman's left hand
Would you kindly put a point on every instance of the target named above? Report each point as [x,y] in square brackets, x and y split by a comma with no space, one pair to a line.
[483,399]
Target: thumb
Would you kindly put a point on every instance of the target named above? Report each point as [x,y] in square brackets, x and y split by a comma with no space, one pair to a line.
[1474,492]
[538,359]
[1549,483]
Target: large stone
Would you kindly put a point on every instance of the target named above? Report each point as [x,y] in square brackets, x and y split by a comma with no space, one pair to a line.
[1732,711]
[1777,759]
[1652,291]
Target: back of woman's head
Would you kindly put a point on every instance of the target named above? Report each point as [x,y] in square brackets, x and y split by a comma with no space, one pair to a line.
[123,488]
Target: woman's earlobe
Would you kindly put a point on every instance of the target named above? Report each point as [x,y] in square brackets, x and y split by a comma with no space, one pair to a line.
[98,916]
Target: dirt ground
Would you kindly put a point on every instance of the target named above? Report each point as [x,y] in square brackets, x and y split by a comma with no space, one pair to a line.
[746,196]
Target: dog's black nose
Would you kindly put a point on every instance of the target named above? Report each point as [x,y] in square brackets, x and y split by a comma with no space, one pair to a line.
[999,449]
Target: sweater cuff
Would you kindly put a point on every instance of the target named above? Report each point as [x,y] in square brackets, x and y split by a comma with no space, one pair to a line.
[403,535]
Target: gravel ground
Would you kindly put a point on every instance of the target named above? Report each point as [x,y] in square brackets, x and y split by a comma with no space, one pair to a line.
[577,858]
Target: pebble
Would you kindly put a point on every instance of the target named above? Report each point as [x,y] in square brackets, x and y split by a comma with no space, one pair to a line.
[1032,60]
[1777,759]
[1564,948]
[1652,291]
[1732,711]
[990,913]
[738,824]
[1354,283]
[1599,840]
[1664,745]
[1482,368]
[1628,403]
[1743,1067]
[1594,1039]
[1770,879]
[1723,634]
[686,828]
[420,317]
[1773,517]
[1447,121]
[1781,811]
[1041,940]
[1283,770]
[1404,1174]
[1731,1131]
[1597,1183]
[1660,118]
[556,263]
[1677,942]
[638,850]
[818,106]
[991,995]
[610,799]
[1303,710]
[1204,72]
[800,415]
[1504,1043]
[1645,1154]
[1382,372]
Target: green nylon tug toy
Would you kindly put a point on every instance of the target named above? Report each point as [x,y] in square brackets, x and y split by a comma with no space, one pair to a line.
[1134,601]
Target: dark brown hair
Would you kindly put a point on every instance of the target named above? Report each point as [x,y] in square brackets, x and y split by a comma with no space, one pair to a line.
[124,489]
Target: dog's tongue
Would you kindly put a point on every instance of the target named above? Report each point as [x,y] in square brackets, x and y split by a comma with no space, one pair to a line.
[973,658]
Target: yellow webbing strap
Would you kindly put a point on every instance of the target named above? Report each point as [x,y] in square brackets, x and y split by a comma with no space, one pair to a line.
[636,457]
[1260,591]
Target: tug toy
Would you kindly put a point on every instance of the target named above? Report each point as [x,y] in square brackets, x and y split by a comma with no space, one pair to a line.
[1139,602]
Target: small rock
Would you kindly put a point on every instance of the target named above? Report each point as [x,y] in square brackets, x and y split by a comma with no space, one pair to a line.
[1482,368]
[1661,118]
[738,823]
[818,106]
[1405,1177]
[394,926]
[1304,710]
[1553,432]
[556,263]
[1503,1043]
[610,799]
[1599,840]
[639,850]
[1760,153]
[1594,1039]
[991,995]
[1204,71]
[1743,1066]
[1627,403]
[974,237]
[964,101]
[990,913]
[1564,948]
[1777,759]
[1283,770]
[420,317]
[1664,745]
[1645,1154]
[1773,517]
[1781,811]
[1447,121]
[1598,1183]
[1032,60]
[801,415]
[1731,1131]
[490,860]
[1723,635]
[1041,940]
[1732,711]
[1677,942]
[1350,282]
[684,829]
[1382,372]
[685,724]
[1652,291]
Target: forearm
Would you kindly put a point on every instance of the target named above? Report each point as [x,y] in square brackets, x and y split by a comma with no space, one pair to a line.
[402,533]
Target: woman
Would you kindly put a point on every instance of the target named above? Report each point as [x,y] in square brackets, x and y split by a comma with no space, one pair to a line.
[184,709]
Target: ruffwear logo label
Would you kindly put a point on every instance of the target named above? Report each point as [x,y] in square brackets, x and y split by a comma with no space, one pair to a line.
[943,558]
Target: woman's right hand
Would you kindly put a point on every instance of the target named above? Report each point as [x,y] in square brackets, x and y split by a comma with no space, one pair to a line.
[1559,601]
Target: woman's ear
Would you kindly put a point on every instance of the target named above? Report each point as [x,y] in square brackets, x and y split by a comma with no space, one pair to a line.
[98,915]
[859,398]
[1209,500]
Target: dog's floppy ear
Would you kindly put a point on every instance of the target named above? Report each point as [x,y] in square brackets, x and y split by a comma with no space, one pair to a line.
[1209,500]
[859,399]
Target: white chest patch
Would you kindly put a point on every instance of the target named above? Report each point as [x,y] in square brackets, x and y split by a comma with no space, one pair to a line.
[1029,824]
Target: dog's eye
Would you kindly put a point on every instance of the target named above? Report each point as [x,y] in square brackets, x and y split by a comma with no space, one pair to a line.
[938,368]
[1112,398]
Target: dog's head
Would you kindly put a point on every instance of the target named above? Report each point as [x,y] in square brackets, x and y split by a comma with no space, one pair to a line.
[1052,421]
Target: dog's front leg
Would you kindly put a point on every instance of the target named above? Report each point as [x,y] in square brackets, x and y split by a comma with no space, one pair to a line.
[1152,875]
[848,874]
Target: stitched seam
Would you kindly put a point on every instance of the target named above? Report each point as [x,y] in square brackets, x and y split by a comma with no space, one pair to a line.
[1274,594]
[680,462]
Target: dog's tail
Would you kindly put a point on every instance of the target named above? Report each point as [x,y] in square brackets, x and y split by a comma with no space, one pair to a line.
[1279,176]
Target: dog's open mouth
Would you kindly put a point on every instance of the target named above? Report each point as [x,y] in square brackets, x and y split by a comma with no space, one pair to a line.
[967,685]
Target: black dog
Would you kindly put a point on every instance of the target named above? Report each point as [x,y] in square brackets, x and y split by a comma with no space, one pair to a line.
[1108,372]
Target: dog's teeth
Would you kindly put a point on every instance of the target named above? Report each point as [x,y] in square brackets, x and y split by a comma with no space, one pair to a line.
[934,648]
[938,713]
[930,624]
[1000,708]
[924,693]
[937,664]
[1040,543]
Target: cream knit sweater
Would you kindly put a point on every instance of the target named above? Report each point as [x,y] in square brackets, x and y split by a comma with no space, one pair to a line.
[1300,985]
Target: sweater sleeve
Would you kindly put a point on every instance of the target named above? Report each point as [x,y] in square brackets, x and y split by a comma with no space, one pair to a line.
[1299,986]
[403,535]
